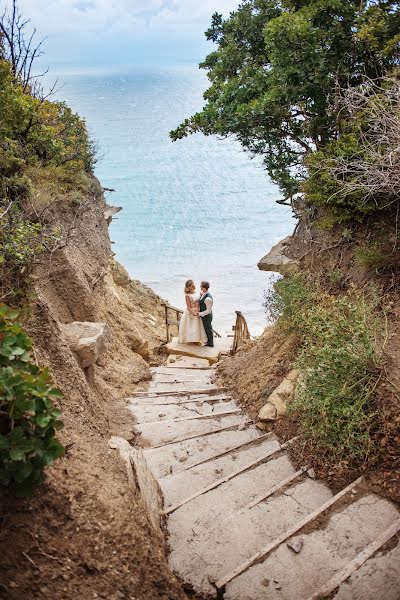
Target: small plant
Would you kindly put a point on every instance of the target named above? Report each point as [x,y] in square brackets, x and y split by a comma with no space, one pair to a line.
[28,417]
[372,258]
[335,276]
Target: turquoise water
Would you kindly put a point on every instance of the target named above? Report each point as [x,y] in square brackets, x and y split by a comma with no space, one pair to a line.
[199,208]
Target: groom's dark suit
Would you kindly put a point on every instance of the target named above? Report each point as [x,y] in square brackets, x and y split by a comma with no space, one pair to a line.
[207,319]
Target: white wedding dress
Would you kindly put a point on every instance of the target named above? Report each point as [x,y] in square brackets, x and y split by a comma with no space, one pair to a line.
[191,328]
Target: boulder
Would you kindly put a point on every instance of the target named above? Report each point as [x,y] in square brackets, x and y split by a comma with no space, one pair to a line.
[138,344]
[276,405]
[110,211]
[88,340]
[119,274]
[277,261]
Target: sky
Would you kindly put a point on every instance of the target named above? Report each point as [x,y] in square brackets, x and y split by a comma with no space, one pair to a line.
[94,33]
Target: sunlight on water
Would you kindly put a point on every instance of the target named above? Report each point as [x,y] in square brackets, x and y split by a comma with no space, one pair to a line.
[197,208]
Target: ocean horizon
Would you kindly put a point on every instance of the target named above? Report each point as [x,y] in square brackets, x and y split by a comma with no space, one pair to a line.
[198,208]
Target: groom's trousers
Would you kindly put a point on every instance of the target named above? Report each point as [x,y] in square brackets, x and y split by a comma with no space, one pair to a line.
[207,322]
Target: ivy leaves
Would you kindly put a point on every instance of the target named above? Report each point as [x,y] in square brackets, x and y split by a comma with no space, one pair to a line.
[28,418]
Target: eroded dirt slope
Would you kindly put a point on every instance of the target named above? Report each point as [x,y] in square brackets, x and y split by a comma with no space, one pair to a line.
[85,534]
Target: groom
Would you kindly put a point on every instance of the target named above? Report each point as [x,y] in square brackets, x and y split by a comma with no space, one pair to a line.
[206,304]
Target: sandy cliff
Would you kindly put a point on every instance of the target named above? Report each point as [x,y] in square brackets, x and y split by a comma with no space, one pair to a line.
[86,533]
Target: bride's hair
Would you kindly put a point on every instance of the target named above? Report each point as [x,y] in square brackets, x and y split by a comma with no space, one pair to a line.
[188,286]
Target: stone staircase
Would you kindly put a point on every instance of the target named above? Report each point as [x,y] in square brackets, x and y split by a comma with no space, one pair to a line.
[243,523]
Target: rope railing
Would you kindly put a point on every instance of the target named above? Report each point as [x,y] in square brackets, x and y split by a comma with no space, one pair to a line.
[172,311]
[241,331]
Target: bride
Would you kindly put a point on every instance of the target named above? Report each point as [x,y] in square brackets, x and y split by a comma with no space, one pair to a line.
[191,328]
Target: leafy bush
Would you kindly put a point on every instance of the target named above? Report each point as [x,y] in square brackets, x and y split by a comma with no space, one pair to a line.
[358,174]
[28,417]
[339,364]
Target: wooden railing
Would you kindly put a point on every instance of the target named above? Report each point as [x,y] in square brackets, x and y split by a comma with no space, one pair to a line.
[170,312]
[170,321]
[241,331]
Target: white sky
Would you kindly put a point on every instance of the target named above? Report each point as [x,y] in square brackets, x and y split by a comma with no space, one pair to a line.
[92,33]
[62,16]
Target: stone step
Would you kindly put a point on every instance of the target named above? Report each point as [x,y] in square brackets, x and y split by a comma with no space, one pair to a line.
[186,362]
[185,392]
[168,374]
[182,386]
[176,457]
[153,434]
[179,486]
[183,373]
[165,380]
[378,578]
[285,575]
[222,346]
[178,400]
[221,504]
[149,413]
[222,548]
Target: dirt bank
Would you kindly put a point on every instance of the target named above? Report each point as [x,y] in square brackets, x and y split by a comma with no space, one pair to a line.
[86,534]
[339,265]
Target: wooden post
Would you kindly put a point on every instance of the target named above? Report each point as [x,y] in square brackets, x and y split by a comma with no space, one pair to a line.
[166,321]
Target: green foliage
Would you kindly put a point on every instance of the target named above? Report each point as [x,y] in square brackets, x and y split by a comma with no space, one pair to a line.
[33,130]
[276,70]
[339,364]
[40,142]
[28,418]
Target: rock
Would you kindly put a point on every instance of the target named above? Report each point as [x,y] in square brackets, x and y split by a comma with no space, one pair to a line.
[110,211]
[311,473]
[268,412]
[138,344]
[119,274]
[295,545]
[88,340]
[276,405]
[277,261]
[264,426]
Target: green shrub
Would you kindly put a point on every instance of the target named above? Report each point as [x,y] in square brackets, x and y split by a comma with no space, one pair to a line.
[28,417]
[339,364]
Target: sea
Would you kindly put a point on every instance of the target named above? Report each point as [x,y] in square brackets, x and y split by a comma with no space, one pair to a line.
[198,208]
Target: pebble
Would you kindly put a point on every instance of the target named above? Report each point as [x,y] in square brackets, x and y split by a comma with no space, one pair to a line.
[311,473]
[295,545]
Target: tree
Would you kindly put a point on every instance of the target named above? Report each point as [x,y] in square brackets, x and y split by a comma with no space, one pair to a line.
[276,70]
[18,46]
[359,174]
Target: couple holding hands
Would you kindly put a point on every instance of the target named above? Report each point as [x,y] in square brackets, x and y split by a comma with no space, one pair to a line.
[195,326]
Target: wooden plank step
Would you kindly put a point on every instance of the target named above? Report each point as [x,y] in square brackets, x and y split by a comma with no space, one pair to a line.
[356,563]
[221,583]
